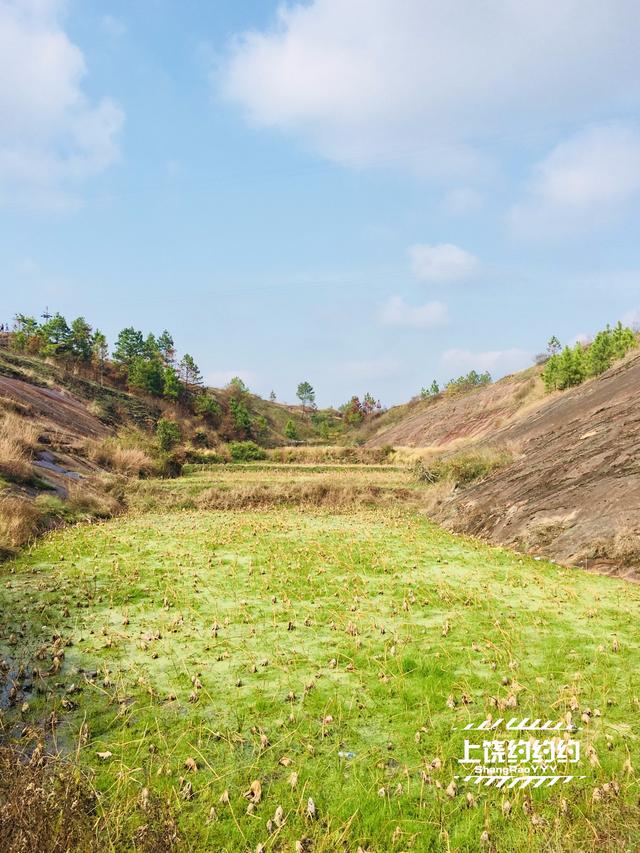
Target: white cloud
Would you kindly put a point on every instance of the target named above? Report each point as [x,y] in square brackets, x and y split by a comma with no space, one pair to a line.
[583,182]
[52,137]
[497,362]
[442,263]
[426,84]
[396,312]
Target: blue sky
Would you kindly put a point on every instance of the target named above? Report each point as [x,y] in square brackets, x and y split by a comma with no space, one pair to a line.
[366,195]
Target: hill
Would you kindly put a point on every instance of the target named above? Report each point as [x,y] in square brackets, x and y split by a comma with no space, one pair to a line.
[571,487]
[68,440]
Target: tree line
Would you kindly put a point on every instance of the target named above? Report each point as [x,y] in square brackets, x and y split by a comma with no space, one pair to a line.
[147,363]
[570,366]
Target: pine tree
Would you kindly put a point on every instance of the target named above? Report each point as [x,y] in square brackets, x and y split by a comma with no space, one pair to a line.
[601,353]
[99,352]
[80,340]
[129,345]
[147,374]
[622,339]
[554,346]
[191,375]
[306,395]
[237,386]
[166,347]
[241,416]
[56,334]
[571,367]
[551,373]
[171,386]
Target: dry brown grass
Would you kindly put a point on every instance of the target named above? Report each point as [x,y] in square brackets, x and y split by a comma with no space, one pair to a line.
[22,519]
[48,805]
[404,455]
[319,454]
[18,437]
[131,461]
[463,467]
[435,496]
[20,522]
[300,494]
[91,500]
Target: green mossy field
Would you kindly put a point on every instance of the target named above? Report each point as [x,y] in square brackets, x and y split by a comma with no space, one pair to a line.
[331,654]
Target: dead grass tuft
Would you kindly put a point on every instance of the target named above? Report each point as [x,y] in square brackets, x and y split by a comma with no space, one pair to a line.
[464,467]
[18,437]
[42,810]
[131,461]
[82,500]
[48,805]
[19,522]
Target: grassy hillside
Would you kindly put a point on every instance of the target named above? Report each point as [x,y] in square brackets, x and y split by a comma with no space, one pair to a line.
[301,675]
[69,441]
[117,406]
[456,416]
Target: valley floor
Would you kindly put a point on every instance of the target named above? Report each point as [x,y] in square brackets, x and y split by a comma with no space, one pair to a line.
[301,671]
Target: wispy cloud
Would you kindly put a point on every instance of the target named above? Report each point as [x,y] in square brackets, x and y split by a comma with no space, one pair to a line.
[462,200]
[52,136]
[356,80]
[396,312]
[583,183]
[443,263]
[497,362]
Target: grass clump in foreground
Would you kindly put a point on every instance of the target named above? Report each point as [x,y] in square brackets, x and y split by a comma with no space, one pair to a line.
[285,677]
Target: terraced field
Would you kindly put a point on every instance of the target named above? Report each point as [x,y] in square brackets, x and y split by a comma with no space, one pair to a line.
[297,674]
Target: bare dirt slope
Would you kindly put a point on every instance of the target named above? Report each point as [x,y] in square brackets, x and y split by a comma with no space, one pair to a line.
[440,422]
[573,489]
[64,423]
[58,409]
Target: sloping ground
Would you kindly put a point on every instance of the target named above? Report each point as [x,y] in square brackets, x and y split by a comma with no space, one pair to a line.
[439,422]
[59,409]
[573,492]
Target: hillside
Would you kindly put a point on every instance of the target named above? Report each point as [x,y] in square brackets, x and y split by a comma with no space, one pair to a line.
[67,441]
[456,418]
[572,489]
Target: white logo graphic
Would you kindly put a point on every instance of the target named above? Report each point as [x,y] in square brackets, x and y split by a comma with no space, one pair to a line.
[518,761]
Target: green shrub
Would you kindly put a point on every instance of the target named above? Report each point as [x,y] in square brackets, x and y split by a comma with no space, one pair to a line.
[472,380]
[206,406]
[290,430]
[168,434]
[240,414]
[246,451]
